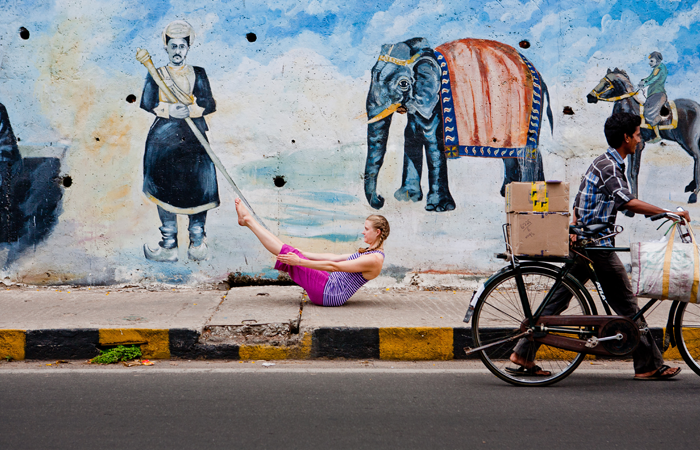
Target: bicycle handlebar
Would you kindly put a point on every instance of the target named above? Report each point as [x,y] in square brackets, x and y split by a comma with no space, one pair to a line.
[667,215]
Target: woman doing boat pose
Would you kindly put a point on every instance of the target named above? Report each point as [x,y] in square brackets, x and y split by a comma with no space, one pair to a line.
[348,273]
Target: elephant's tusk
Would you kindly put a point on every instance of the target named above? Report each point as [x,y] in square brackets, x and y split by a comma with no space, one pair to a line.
[384,114]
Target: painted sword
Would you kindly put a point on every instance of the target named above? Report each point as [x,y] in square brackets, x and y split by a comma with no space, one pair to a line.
[144,58]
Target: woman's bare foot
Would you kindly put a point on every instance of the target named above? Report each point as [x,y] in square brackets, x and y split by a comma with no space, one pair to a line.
[244,216]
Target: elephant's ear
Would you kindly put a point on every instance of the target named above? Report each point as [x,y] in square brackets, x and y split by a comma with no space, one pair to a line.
[426,87]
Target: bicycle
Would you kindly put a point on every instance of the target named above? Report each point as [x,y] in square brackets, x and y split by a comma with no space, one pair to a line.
[508,308]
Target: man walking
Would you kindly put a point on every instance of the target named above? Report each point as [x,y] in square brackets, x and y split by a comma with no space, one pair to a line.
[179,176]
[603,192]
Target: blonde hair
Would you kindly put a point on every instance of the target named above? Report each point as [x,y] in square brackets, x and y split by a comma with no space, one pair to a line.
[380,223]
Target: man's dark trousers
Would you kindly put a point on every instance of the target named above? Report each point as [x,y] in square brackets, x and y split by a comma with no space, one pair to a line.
[618,292]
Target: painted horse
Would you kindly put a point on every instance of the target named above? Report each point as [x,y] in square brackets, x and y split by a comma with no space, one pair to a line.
[681,124]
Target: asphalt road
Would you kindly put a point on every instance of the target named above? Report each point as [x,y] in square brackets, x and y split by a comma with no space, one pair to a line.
[329,405]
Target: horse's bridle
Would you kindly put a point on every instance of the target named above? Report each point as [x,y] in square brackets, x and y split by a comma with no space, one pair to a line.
[609,87]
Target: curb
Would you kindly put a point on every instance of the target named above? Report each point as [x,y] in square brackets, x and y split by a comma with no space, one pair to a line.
[409,344]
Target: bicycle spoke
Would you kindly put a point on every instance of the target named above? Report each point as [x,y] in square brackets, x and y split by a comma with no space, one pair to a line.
[499,314]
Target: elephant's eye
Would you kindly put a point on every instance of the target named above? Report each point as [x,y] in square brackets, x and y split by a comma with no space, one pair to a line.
[404,84]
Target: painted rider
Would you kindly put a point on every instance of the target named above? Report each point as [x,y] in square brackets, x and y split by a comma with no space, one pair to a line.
[656,93]
[178,174]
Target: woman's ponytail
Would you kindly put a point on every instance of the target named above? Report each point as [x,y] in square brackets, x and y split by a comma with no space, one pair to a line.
[380,223]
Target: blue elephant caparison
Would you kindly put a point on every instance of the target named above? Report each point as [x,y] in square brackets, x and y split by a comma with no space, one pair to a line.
[454,109]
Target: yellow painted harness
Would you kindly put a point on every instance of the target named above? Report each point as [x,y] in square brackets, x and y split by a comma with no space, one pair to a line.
[610,86]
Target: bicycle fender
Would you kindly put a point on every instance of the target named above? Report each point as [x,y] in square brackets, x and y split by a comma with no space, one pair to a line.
[473,302]
[670,333]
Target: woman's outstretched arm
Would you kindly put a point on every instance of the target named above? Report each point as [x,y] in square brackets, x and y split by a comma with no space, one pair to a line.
[365,263]
[325,256]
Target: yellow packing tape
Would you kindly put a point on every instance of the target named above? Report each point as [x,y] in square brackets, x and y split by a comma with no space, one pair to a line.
[667,264]
[538,195]
[667,267]
[696,273]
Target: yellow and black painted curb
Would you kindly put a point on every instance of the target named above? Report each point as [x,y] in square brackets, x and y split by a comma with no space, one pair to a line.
[398,343]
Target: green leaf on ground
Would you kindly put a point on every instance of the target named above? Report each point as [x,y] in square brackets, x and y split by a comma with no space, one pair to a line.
[116,354]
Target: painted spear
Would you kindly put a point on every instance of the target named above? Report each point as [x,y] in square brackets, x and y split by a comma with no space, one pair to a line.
[144,58]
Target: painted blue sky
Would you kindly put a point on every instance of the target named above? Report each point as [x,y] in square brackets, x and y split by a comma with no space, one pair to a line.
[565,35]
[572,43]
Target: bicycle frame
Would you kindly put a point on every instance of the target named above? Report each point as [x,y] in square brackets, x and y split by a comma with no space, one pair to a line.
[564,272]
[535,310]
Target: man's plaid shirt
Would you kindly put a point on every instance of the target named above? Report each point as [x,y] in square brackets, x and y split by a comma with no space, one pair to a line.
[604,189]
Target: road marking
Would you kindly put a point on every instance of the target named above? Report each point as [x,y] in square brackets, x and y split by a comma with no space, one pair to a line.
[369,370]
[241,370]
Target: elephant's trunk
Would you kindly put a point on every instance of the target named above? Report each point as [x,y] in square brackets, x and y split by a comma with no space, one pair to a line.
[377,136]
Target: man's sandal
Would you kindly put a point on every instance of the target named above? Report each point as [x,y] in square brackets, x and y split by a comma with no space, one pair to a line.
[534,371]
[659,374]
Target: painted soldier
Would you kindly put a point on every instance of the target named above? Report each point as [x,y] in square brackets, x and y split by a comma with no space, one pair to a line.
[10,164]
[179,175]
[656,93]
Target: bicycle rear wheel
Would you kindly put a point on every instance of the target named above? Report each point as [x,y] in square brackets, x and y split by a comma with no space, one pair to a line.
[499,313]
[687,329]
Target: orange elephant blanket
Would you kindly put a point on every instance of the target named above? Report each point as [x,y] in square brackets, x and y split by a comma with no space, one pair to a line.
[491,99]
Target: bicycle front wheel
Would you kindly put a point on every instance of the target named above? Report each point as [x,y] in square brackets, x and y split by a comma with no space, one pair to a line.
[499,313]
[687,329]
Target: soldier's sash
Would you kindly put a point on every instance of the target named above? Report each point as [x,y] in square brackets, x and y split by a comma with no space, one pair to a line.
[183,97]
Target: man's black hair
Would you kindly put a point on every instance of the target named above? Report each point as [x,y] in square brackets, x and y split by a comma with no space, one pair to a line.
[618,125]
[656,55]
[167,40]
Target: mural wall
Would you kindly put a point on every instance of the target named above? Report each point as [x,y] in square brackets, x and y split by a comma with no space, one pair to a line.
[128,128]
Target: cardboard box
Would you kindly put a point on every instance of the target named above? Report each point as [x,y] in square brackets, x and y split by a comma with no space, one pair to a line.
[540,196]
[539,233]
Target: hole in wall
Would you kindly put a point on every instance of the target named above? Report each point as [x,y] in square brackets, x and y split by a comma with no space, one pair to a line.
[18,139]
[251,37]
[293,141]
[568,110]
[279,181]
[524,43]
[131,98]
[67,181]
[97,139]
[23,33]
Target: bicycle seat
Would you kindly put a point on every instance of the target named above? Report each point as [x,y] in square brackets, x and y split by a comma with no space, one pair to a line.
[588,230]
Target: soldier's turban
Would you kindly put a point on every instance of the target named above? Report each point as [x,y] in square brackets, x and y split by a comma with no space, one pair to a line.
[178,29]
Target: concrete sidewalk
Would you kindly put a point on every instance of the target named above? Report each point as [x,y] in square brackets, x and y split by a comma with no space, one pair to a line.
[262,322]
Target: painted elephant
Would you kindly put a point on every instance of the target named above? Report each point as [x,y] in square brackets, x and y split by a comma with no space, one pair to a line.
[411,77]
